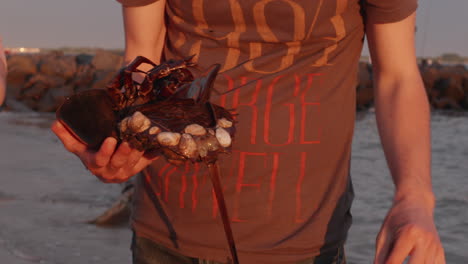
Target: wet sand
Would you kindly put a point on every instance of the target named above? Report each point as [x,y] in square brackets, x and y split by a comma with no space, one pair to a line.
[46,195]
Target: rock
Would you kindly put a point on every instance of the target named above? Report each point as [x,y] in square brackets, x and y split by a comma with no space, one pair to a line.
[20,68]
[53,98]
[364,75]
[445,86]
[84,59]
[364,90]
[364,98]
[119,212]
[84,77]
[30,102]
[447,91]
[429,76]
[106,60]
[464,102]
[35,92]
[31,76]
[62,66]
[101,78]
[38,84]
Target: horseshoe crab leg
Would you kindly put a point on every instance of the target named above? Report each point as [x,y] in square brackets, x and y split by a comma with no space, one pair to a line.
[214,175]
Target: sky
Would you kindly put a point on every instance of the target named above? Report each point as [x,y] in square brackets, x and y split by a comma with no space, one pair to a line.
[442,25]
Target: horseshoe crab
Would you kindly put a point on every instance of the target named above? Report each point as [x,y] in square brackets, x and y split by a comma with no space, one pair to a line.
[168,113]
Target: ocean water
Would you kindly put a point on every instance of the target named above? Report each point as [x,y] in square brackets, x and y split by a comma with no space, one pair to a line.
[374,188]
[46,195]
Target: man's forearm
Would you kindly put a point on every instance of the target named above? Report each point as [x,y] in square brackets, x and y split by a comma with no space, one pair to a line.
[403,119]
[144,31]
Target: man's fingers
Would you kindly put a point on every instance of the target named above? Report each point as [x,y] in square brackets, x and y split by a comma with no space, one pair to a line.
[401,249]
[120,157]
[435,254]
[68,141]
[431,254]
[134,158]
[103,156]
[417,256]
[140,165]
[440,258]
[382,246]
[124,173]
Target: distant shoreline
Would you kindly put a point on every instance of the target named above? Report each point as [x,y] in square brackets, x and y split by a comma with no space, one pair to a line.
[65,51]
[42,80]
[445,59]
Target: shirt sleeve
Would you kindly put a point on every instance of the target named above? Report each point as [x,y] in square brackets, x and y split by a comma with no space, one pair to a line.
[134,3]
[388,11]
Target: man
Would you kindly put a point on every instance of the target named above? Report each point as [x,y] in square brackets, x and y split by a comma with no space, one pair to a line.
[289,69]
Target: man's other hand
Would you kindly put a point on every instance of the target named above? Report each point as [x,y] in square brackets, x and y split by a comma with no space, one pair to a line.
[409,230]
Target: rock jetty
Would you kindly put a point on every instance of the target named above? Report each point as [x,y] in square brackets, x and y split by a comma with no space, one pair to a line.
[42,81]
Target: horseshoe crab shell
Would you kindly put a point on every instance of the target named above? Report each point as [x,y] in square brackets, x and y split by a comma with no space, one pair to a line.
[89,117]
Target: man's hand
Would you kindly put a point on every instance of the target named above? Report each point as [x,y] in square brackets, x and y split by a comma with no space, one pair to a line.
[409,230]
[144,35]
[108,164]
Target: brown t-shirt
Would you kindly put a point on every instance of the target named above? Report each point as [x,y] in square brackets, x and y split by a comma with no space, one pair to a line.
[286,183]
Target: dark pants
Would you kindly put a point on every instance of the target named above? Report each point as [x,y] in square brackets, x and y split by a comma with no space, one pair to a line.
[146,251]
